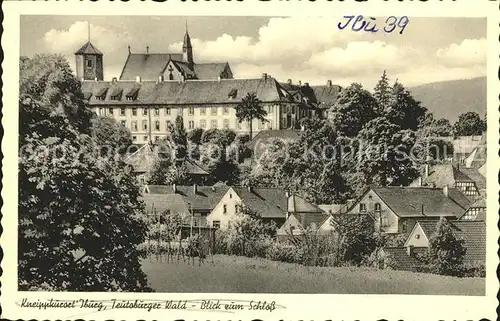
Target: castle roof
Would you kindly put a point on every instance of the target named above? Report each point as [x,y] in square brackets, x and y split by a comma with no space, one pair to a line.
[146,65]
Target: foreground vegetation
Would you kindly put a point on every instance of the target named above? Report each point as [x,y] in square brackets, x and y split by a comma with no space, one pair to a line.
[250,275]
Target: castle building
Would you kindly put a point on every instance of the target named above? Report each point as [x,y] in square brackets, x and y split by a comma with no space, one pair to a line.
[153,89]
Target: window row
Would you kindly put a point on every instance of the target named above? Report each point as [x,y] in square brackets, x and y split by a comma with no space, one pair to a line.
[203,124]
[167,111]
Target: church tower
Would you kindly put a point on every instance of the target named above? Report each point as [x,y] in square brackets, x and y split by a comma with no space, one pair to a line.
[89,64]
[187,50]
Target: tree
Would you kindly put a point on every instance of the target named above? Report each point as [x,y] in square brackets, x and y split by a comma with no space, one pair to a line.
[250,108]
[384,155]
[356,237]
[80,214]
[383,94]
[178,140]
[354,108]
[405,111]
[469,124]
[195,135]
[49,80]
[110,135]
[445,252]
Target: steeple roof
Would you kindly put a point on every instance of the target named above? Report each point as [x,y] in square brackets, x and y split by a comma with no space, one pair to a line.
[187,40]
[88,49]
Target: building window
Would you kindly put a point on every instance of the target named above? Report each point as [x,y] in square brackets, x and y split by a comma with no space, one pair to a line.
[145,138]
[134,138]
[230,195]
[362,208]
[191,124]
[214,110]
[122,111]
[123,123]
[167,111]
[157,112]
[110,111]
[134,125]
[203,123]
[101,112]
[216,224]
[203,110]
[134,111]
[213,123]
[157,125]
[236,208]
[226,123]
[417,236]
[144,111]
[168,124]
[191,111]
[224,209]
[157,138]
[145,125]
[404,227]
[378,208]
[226,111]
[89,63]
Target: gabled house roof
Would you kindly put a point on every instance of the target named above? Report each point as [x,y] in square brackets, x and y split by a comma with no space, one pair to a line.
[401,259]
[331,208]
[88,49]
[472,232]
[326,96]
[187,92]
[205,198]
[475,176]
[268,202]
[409,201]
[143,159]
[159,203]
[146,65]
[297,223]
[444,174]
[209,70]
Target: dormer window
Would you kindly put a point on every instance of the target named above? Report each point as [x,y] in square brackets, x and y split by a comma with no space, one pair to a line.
[87,95]
[132,94]
[116,94]
[101,94]
[233,93]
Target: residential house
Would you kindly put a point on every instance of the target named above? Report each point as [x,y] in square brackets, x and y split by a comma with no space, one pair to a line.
[447,175]
[396,209]
[476,211]
[272,204]
[193,202]
[144,158]
[473,233]
[397,258]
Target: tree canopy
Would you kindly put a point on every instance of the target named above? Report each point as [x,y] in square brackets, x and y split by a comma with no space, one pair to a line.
[250,108]
[469,124]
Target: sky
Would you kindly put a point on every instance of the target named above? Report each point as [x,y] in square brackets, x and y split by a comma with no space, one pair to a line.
[309,49]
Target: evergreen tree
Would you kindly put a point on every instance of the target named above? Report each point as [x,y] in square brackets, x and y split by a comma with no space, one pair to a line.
[405,111]
[383,94]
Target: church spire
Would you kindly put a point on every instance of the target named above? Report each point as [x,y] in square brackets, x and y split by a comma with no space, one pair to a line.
[187,49]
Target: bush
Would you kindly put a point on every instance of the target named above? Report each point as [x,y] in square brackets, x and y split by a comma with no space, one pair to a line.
[282,253]
[474,270]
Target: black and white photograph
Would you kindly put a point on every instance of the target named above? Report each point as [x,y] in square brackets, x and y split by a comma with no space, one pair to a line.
[252,154]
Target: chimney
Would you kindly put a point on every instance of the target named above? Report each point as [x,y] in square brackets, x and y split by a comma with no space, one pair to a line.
[445,190]
[137,78]
[426,170]
[264,75]
[183,79]
[328,83]
[289,81]
[95,79]
[174,188]
[409,250]
[218,78]
[300,83]
[195,189]
[82,79]
[160,78]
[147,49]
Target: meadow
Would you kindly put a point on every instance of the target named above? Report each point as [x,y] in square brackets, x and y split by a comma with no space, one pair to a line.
[233,274]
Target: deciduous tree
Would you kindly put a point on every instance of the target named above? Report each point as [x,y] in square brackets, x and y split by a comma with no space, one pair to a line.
[469,124]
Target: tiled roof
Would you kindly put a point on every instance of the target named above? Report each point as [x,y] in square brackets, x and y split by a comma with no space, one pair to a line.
[143,159]
[408,201]
[159,203]
[209,70]
[472,232]
[307,219]
[205,198]
[146,65]
[188,92]
[476,176]
[298,204]
[265,136]
[444,174]
[267,202]
[327,95]
[401,259]
[88,49]
[184,67]
[330,208]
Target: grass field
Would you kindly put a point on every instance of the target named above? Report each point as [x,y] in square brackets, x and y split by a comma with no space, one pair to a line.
[244,275]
